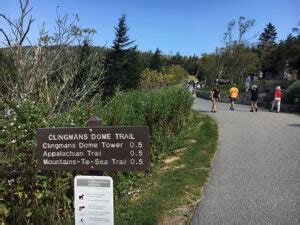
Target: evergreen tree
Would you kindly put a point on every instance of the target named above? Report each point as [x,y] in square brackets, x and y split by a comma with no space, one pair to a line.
[84,65]
[287,53]
[269,35]
[122,62]
[191,65]
[156,61]
[177,59]
[266,47]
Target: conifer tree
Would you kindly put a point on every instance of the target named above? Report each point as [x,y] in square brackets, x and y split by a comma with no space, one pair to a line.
[269,35]
[122,64]
[84,65]
[266,47]
[156,61]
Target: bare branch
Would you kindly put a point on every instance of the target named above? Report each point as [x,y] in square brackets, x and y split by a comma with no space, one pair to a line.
[8,21]
[26,13]
[27,30]
[6,37]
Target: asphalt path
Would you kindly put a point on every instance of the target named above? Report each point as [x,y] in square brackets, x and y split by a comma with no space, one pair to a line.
[255,174]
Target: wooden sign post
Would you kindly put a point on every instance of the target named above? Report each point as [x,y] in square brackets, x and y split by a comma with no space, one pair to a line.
[93,148]
[119,148]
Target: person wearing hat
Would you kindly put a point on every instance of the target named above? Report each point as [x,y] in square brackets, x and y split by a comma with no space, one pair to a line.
[277,99]
[254,98]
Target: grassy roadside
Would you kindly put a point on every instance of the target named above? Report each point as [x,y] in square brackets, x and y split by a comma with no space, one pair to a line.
[170,193]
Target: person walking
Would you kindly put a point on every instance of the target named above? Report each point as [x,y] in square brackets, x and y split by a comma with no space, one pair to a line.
[277,99]
[233,95]
[254,98]
[247,83]
[215,96]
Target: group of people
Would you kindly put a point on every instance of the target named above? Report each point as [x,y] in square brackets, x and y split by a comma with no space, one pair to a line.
[234,93]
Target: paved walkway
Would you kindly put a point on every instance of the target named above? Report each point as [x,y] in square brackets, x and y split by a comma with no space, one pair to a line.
[255,175]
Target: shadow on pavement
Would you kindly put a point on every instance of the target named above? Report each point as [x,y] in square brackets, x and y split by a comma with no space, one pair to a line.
[294,125]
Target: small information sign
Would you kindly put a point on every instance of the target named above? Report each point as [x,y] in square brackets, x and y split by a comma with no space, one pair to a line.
[94,148]
[93,200]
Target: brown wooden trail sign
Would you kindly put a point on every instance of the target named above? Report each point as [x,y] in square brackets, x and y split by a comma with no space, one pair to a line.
[120,148]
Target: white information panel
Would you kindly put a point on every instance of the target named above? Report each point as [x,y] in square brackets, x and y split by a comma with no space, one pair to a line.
[93,200]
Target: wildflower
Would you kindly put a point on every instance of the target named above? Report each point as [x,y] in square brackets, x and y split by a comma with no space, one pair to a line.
[10,182]
[11,124]
[13,141]
[23,95]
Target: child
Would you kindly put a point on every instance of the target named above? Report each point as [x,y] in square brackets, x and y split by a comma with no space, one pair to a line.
[254,98]
[233,94]
[215,95]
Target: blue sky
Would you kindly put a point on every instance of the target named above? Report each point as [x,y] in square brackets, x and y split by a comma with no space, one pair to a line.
[189,26]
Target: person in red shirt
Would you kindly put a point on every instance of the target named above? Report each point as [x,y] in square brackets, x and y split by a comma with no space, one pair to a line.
[277,99]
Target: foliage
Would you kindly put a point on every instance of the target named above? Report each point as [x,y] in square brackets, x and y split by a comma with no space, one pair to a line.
[293,92]
[39,197]
[174,74]
[7,68]
[157,109]
[122,62]
[287,55]
[28,195]
[210,68]
[156,61]
[47,71]
[232,63]
[239,61]
[178,71]
[266,47]
[176,184]
[151,79]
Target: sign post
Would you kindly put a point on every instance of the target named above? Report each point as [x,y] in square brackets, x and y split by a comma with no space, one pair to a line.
[94,148]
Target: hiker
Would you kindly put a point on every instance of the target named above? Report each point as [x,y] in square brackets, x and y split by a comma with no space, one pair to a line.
[254,98]
[215,95]
[247,83]
[277,99]
[233,95]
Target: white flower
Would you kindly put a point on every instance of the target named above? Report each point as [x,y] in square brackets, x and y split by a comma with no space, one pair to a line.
[10,181]
[11,124]
[13,141]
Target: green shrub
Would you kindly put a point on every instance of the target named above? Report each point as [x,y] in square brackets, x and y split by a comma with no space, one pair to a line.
[293,93]
[45,197]
[159,109]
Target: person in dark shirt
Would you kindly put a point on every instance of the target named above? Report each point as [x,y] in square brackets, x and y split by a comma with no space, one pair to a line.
[254,98]
[215,95]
